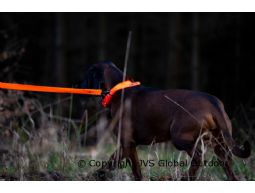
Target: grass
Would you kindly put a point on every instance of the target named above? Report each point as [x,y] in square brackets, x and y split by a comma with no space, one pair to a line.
[52,149]
[64,166]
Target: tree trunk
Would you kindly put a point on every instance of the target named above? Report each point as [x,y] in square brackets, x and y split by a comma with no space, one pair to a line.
[59,52]
[195,53]
[102,37]
[59,58]
[174,51]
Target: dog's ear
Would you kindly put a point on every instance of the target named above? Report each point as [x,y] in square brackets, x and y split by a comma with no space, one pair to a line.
[129,78]
[93,79]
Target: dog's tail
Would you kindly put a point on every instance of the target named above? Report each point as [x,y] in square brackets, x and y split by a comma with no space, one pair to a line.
[225,125]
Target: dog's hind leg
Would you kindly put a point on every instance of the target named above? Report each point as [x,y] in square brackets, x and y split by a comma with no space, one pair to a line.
[196,160]
[224,156]
[193,152]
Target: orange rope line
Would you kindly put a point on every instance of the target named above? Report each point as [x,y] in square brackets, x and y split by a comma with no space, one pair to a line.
[51,89]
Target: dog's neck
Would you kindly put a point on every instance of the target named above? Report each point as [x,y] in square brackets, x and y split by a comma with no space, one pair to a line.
[112,76]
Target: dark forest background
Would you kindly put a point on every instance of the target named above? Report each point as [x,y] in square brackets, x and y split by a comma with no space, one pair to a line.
[43,136]
[212,52]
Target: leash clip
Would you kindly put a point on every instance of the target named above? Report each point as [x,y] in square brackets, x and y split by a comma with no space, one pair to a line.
[104,93]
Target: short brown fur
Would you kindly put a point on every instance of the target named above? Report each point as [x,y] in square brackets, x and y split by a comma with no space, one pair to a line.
[181,116]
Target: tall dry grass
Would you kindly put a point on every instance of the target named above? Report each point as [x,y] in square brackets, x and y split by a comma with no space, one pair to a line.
[39,144]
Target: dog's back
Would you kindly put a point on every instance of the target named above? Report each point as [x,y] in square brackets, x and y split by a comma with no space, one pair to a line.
[155,113]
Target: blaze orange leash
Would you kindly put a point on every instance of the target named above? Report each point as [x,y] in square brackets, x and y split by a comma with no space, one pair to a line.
[35,88]
[52,89]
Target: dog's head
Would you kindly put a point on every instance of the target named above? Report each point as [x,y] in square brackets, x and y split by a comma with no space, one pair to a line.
[94,77]
[102,75]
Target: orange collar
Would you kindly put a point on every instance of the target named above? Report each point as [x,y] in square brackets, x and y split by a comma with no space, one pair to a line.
[120,86]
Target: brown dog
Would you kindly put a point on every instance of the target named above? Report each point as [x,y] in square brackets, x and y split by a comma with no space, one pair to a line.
[182,116]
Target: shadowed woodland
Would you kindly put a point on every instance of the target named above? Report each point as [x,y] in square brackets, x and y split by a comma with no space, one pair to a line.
[43,136]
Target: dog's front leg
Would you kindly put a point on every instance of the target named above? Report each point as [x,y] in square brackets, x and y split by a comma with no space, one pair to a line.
[112,163]
[114,160]
[132,157]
